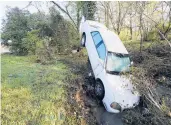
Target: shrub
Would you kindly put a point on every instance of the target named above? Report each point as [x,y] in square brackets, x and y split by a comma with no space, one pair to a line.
[15,28]
[152,35]
[124,35]
[30,41]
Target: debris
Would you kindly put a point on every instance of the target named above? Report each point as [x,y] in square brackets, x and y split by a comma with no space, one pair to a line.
[145,112]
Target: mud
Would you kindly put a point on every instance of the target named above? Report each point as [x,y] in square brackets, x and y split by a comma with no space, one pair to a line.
[81,91]
[102,116]
[155,61]
[82,95]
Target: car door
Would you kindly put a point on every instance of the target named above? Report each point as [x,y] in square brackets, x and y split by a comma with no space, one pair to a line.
[91,49]
[100,51]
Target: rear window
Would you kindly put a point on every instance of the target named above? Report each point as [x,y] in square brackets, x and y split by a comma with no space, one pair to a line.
[96,37]
[99,44]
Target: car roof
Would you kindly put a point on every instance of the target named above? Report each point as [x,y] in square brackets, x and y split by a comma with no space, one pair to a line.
[111,40]
[95,24]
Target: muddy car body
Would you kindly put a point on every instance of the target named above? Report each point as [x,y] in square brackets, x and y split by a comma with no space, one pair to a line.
[109,58]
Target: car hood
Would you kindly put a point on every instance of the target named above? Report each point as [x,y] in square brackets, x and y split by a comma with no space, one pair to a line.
[125,93]
[120,82]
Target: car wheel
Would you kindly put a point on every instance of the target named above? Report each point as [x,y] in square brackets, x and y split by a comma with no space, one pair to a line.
[99,90]
[83,40]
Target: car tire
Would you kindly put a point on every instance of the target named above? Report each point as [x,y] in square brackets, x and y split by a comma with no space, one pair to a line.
[83,40]
[99,90]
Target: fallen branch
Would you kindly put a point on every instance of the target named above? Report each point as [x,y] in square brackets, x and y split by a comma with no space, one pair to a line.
[154,102]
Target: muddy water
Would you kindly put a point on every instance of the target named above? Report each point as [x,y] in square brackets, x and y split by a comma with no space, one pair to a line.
[99,112]
[86,94]
[93,111]
[105,118]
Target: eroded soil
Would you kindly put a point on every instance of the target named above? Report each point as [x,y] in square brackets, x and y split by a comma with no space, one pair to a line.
[82,96]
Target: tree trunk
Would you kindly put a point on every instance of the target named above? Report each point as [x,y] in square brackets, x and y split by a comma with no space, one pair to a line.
[130,28]
[78,16]
[141,40]
[119,18]
[107,14]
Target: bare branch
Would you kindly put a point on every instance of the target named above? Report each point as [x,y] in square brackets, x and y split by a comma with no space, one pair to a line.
[27,5]
[158,29]
[66,12]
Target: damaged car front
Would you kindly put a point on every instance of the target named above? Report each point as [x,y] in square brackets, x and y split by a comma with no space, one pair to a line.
[120,93]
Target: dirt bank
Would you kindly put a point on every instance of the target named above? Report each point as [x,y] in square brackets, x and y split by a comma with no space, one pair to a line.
[89,107]
[82,95]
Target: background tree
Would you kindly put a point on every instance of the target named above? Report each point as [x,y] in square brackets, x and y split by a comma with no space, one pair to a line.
[136,21]
[89,9]
[15,28]
[66,11]
[105,8]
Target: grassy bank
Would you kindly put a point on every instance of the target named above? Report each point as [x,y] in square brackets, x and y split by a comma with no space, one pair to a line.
[34,94]
[62,92]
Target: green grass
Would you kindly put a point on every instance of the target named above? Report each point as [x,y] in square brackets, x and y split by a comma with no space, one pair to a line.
[32,94]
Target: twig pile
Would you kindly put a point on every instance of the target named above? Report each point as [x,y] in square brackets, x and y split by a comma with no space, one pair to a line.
[151,66]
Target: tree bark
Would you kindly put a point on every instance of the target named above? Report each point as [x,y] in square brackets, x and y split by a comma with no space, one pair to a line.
[130,28]
[141,40]
[119,18]
[107,14]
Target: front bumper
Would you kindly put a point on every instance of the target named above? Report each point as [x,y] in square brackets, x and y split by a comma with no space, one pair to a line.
[108,107]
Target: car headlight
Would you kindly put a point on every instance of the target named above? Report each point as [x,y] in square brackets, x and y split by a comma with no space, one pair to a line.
[115,105]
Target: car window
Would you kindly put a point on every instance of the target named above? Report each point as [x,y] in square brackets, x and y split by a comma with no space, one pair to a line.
[100,46]
[102,51]
[96,37]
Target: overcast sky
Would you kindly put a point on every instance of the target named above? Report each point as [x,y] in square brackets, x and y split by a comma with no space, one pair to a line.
[23,5]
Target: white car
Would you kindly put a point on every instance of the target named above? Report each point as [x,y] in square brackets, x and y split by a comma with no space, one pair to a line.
[109,58]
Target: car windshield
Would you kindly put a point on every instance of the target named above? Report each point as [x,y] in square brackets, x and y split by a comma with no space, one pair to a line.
[117,62]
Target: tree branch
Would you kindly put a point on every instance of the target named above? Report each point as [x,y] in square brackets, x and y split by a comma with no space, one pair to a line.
[67,13]
[27,5]
[158,28]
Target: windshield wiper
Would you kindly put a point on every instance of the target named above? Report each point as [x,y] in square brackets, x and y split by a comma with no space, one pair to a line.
[124,72]
[118,73]
[113,72]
